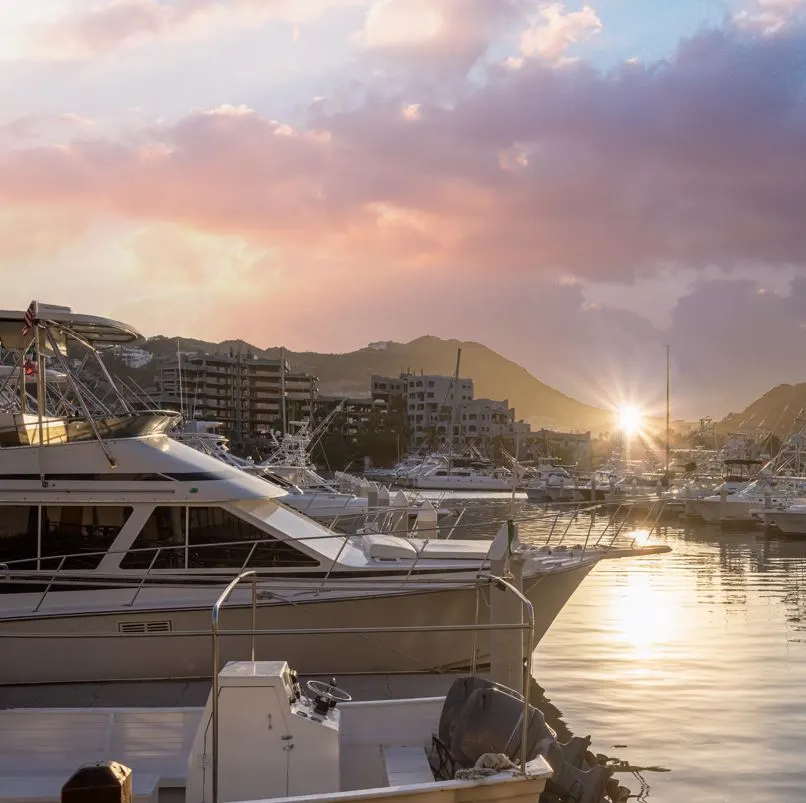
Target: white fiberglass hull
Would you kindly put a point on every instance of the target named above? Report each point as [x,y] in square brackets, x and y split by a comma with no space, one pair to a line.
[735,509]
[60,646]
[787,522]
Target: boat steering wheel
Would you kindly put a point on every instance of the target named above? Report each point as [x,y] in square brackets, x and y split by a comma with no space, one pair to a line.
[328,691]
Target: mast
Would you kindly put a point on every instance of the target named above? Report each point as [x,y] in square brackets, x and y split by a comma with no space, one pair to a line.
[667,410]
[453,409]
[282,391]
[179,378]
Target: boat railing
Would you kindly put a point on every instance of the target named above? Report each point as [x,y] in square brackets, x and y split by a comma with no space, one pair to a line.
[526,625]
[579,525]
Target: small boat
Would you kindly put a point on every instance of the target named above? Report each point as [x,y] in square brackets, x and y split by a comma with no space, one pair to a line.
[262,735]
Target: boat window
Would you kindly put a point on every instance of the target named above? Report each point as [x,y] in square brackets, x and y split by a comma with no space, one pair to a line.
[83,532]
[18,539]
[210,526]
[210,537]
[165,528]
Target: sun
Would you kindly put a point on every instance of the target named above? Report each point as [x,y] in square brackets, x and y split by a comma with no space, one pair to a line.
[630,419]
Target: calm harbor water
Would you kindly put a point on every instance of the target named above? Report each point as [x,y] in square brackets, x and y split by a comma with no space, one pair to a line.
[693,661]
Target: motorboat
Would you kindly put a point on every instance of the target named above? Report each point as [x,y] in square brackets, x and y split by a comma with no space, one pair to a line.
[113,526]
[265,734]
[317,498]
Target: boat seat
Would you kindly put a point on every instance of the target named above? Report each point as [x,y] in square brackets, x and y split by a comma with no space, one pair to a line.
[407,765]
[54,743]
[47,788]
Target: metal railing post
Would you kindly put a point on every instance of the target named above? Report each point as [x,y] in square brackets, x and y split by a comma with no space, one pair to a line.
[225,594]
[530,612]
[50,583]
[145,576]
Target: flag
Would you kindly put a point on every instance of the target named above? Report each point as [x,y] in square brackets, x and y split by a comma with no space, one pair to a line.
[30,319]
[29,367]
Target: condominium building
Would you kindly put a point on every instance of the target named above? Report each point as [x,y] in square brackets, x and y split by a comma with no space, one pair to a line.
[486,418]
[243,393]
[428,400]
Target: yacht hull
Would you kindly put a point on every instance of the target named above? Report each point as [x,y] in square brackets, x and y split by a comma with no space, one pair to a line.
[787,523]
[55,647]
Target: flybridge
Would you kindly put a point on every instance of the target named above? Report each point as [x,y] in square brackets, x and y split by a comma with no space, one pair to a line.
[54,387]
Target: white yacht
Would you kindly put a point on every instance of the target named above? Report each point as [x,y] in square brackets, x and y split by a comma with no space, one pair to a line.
[789,518]
[318,499]
[447,478]
[114,534]
[738,507]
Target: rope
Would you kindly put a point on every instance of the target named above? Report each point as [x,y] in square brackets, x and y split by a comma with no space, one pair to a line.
[486,765]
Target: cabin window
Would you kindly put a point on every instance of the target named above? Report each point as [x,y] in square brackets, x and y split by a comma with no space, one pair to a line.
[215,539]
[210,526]
[84,533]
[18,539]
[165,528]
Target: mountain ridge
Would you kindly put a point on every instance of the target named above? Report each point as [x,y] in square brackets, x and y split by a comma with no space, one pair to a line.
[349,373]
[780,410]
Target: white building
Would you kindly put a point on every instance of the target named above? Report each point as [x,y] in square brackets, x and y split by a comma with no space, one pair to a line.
[429,403]
[486,418]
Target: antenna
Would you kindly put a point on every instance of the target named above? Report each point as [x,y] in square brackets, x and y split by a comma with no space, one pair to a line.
[667,410]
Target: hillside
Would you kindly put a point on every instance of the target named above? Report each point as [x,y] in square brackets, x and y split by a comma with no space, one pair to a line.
[494,376]
[778,411]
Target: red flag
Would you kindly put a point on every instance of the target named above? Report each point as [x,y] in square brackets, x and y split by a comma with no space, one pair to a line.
[30,319]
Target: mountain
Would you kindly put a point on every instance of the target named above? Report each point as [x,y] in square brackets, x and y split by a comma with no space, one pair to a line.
[780,410]
[493,375]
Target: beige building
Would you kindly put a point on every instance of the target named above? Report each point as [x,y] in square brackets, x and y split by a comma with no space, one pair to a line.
[429,403]
[243,393]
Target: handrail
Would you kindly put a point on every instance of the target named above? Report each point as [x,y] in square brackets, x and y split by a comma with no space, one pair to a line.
[225,594]
[527,673]
[490,578]
[50,583]
[145,576]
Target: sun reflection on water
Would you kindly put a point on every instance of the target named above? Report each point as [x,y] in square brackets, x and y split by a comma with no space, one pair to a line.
[643,617]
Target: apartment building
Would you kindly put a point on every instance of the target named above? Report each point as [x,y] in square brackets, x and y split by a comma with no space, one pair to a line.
[428,400]
[486,418]
[243,393]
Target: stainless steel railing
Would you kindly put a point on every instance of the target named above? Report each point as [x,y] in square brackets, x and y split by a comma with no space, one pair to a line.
[578,524]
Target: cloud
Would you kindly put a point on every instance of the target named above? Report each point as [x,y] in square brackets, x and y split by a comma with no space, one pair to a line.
[449,36]
[101,28]
[602,176]
[770,16]
[555,30]
[34,126]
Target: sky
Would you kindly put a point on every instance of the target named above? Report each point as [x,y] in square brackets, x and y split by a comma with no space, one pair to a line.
[575,185]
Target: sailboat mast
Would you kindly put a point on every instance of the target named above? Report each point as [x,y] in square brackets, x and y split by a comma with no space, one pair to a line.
[667,409]
[453,409]
[282,391]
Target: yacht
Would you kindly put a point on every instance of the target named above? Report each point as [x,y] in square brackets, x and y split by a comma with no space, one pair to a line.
[113,534]
[447,478]
[318,499]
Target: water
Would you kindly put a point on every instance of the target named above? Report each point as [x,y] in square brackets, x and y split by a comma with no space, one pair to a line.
[693,661]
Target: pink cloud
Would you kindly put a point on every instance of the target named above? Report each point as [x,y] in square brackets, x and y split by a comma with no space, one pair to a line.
[446,36]
[695,162]
[107,26]
[555,30]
